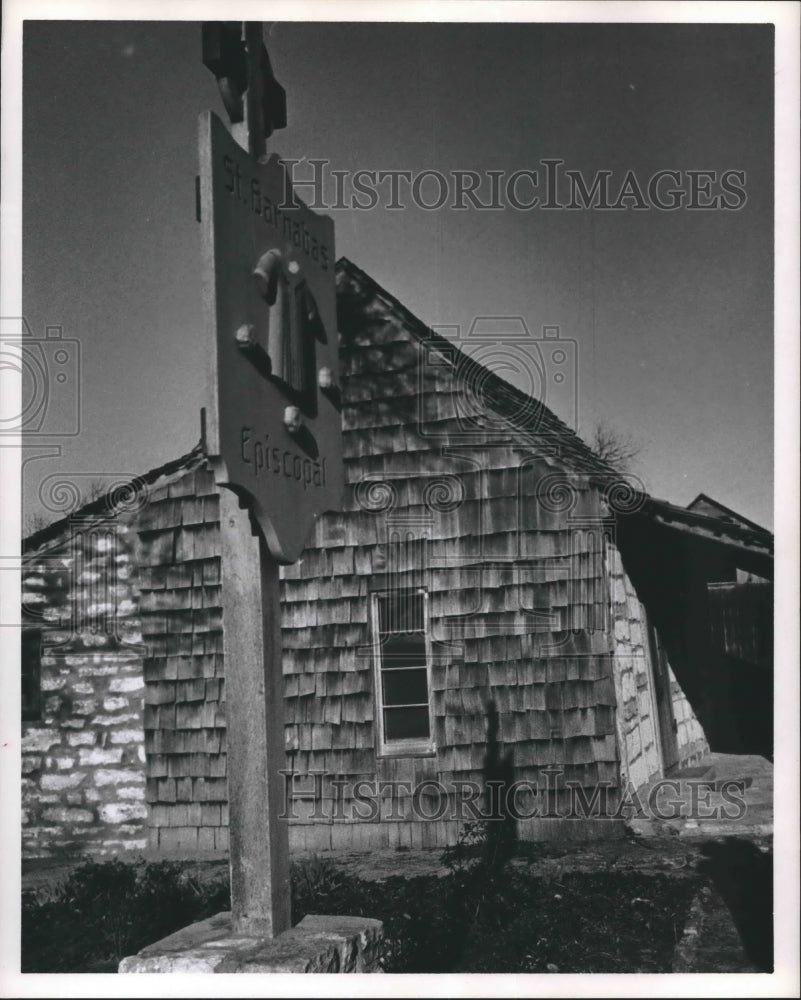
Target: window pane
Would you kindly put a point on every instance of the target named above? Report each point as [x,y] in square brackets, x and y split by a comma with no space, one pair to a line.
[403,650]
[406,724]
[402,612]
[31,676]
[405,687]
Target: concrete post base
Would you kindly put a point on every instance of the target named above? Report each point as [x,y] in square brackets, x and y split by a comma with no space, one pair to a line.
[317,944]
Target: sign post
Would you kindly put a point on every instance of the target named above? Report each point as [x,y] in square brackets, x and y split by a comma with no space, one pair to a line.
[273,435]
[272,432]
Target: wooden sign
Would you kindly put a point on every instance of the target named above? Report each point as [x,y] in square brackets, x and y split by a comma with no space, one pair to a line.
[273,424]
[273,436]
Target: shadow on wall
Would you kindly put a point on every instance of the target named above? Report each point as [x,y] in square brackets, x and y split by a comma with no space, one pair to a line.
[743,875]
[498,776]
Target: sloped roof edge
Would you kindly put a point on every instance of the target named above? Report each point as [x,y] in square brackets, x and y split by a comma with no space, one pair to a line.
[506,399]
[727,511]
[707,526]
[105,503]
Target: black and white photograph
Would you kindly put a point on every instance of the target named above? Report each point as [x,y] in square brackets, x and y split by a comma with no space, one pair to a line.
[399,420]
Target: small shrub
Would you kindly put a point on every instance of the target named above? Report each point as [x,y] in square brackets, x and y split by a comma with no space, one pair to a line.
[317,884]
[106,910]
[474,919]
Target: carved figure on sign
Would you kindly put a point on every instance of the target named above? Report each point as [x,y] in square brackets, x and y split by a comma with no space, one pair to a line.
[293,327]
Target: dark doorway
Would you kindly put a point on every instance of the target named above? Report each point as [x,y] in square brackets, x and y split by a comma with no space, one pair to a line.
[664,701]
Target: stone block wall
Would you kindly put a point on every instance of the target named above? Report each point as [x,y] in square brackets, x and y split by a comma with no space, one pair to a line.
[690,735]
[83,754]
[637,720]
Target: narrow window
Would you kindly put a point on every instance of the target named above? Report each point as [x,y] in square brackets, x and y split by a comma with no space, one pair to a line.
[402,672]
[31,675]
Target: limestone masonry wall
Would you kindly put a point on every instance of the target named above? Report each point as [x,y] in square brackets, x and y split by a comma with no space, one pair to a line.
[83,754]
[641,757]
[637,721]
[690,735]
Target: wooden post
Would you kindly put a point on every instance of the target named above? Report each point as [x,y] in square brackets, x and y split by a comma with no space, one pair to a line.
[254,693]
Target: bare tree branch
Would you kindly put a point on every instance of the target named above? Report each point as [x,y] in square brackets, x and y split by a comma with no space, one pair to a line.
[97,488]
[34,521]
[616,449]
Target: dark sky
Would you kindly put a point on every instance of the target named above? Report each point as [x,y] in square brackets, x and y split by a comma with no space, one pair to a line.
[671,311]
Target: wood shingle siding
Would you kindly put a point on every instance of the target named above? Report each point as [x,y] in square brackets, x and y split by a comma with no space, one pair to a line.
[184,674]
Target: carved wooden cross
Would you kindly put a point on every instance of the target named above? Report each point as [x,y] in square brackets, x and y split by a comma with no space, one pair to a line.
[235,53]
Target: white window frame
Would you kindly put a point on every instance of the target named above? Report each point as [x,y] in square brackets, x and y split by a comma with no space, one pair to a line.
[403,747]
